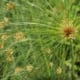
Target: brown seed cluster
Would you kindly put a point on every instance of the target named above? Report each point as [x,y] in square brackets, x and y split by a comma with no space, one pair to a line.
[69,31]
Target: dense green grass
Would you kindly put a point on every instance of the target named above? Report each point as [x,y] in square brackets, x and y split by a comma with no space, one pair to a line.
[34,43]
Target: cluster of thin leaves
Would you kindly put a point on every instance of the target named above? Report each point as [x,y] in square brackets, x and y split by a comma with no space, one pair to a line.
[33,40]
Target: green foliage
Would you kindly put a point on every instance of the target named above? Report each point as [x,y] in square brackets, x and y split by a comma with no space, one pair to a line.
[39,39]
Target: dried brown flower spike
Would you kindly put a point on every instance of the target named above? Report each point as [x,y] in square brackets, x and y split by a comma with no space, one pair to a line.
[69,32]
